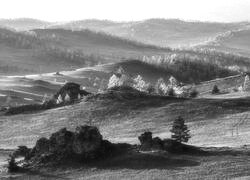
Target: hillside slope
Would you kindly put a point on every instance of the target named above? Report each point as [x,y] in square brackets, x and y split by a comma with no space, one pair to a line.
[161,32]
[55,50]
[232,42]
[121,117]
[35,87]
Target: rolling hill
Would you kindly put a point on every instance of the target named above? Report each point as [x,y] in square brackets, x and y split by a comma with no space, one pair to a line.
[122,119]
[30,89]
[236,42]
[23,24]
[42,51]
[161,32]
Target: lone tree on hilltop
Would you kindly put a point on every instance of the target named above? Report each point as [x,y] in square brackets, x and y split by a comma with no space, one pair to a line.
[179,130]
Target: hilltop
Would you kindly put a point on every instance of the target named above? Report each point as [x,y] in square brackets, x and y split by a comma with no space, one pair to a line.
[23,24]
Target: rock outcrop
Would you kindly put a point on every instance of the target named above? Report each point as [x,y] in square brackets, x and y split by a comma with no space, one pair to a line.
[84,144]
[148,143]
[70,92]
[87,140]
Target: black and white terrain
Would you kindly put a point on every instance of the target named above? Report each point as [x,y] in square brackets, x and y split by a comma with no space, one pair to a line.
[38,58]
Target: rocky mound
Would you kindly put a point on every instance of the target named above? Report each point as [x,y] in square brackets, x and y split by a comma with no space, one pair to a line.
[84,144]
[148,143]
[70,92]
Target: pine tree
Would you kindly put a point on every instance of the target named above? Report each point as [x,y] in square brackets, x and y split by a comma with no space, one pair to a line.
[179,130]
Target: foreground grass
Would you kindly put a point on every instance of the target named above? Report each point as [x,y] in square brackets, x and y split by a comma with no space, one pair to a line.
[149,166]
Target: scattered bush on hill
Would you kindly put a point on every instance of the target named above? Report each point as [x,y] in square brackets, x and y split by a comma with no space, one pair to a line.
[189,70]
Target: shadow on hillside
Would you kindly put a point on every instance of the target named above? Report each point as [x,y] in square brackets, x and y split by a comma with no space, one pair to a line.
[144,161]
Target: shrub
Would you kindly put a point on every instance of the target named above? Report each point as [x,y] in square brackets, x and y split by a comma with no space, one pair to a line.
[179,130]
[215,90]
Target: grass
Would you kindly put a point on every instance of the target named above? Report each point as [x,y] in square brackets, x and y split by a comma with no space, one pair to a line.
[211,122]
[124,120]
[150,166]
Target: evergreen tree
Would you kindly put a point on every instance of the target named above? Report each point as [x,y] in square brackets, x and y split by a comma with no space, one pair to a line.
[179,130]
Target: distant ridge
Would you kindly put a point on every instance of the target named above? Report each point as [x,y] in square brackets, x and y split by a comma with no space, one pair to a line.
[156,31]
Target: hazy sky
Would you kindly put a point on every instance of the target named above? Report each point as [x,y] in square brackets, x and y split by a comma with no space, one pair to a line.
[126,10]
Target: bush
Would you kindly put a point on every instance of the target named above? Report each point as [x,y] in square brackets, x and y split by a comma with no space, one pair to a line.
[179,130]
[215,90]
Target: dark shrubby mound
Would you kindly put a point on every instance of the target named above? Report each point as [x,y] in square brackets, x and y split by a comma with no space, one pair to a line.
[86,145]
[71,89]
[83,145]
[148,143]
[127,93]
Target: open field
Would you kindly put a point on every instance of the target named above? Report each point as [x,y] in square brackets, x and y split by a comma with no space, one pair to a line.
[124,120]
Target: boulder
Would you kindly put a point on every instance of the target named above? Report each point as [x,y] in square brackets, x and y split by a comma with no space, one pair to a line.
[42,146]
[70,91]
[61,141]
[87,141]
[148,143]
[157,144]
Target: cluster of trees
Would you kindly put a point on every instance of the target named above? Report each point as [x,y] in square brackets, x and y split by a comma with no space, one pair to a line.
[190,70]
[222,59]
[44,48]
[170,88]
